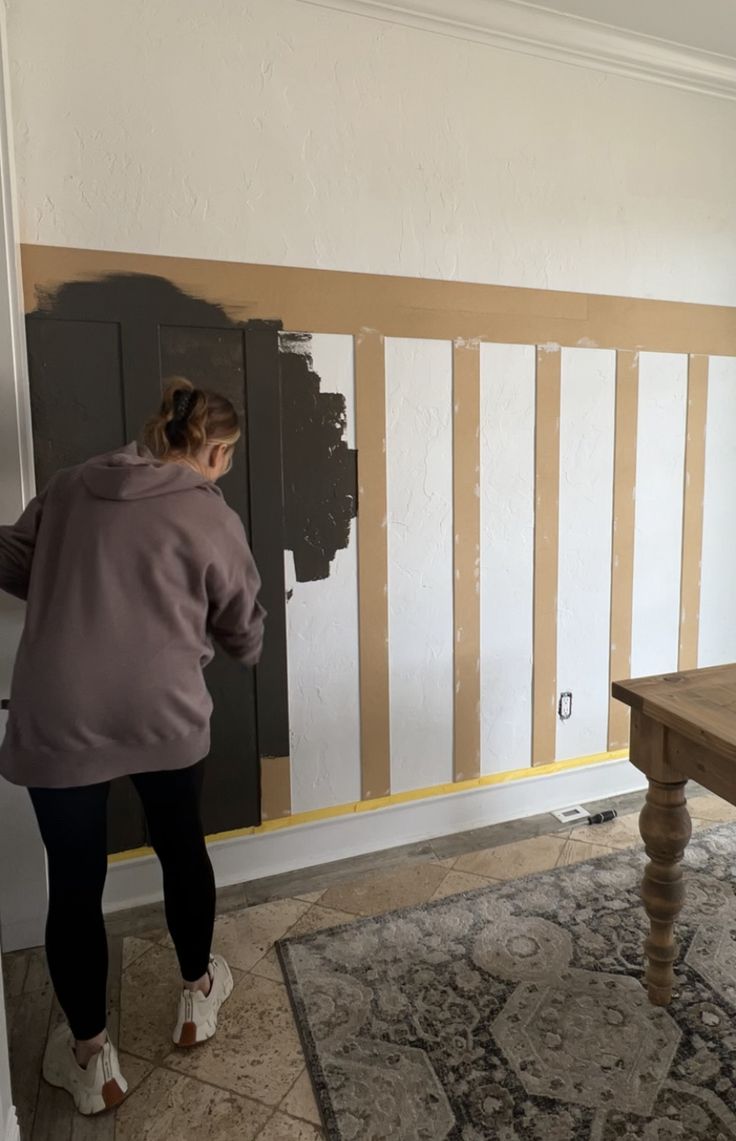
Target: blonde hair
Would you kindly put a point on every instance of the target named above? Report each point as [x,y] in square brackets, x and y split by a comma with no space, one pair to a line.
[188,420]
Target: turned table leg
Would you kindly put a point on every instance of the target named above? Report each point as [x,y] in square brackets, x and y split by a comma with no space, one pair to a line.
[665,828]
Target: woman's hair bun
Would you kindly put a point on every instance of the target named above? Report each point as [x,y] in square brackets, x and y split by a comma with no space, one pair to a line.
[188,419]
[183,401]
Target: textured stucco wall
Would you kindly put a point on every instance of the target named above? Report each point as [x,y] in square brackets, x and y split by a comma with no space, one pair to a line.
[718,597]
[420,569]
[507,554]
[658,543]
[586,524]
[274,131]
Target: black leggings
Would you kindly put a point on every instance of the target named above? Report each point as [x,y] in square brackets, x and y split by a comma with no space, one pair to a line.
[73,823]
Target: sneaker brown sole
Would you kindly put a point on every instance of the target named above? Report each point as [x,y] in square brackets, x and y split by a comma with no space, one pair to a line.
[112,1095]
[188,1036]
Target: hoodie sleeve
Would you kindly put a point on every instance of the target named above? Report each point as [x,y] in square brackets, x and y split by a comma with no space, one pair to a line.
[236,616]
[17,544]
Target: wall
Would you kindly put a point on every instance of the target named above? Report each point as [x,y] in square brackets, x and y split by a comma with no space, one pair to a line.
[275,132]
[579,468]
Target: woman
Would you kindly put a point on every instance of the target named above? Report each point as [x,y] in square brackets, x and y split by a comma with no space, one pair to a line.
[131,564]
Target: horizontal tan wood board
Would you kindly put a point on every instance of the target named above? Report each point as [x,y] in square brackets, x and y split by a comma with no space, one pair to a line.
[331,301]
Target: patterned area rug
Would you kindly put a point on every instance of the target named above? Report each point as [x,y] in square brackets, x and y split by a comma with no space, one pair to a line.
[516,1013]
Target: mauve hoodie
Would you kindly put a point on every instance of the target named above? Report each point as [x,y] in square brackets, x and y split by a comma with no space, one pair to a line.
[130,567]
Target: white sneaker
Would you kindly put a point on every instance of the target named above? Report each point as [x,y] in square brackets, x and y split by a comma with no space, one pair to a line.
[198,1012]
[99,1087]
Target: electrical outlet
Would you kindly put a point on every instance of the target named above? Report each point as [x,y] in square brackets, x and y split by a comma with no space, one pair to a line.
[565,707]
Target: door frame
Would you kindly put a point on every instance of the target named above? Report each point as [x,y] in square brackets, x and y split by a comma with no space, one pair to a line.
[22,899]
[22,903]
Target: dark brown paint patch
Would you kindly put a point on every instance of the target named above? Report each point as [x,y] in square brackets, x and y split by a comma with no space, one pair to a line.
[129,295]
[98,351]
[320,470]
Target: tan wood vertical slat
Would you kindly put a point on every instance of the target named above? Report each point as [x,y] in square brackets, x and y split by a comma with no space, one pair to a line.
[692,516]
[546,554]
[622,549]
[466,578]
[275,787]
[370,416]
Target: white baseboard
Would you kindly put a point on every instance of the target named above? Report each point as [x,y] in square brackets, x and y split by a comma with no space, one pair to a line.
[132,883]
[12,1130]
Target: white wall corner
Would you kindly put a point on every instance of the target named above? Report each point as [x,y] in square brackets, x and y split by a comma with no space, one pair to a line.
[515,25]
[22,899]
[12,1129]
[15,388]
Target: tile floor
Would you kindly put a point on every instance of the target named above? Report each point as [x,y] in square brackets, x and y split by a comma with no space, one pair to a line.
[250,1083]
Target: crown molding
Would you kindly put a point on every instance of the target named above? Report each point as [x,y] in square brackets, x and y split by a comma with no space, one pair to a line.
[516,25]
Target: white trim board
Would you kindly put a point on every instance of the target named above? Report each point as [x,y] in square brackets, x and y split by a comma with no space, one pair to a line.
[136,882]
[15,358]
[11,1131]
[515,25]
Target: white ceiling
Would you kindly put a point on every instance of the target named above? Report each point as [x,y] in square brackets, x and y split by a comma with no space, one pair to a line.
[707,25]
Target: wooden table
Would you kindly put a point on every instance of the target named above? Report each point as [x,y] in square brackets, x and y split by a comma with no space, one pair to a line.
[683,727]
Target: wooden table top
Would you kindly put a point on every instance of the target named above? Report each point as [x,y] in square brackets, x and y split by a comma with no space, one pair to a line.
[699,704]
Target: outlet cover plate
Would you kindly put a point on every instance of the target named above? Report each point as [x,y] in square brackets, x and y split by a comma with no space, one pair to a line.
[571,815]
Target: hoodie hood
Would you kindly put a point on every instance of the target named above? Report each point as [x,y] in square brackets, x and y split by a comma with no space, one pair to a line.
[134,473]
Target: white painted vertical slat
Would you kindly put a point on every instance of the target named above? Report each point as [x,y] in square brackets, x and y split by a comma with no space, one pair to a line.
[420,540]
[586,518]
[660,467]
[322,641]
[507,554]
[718,597]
